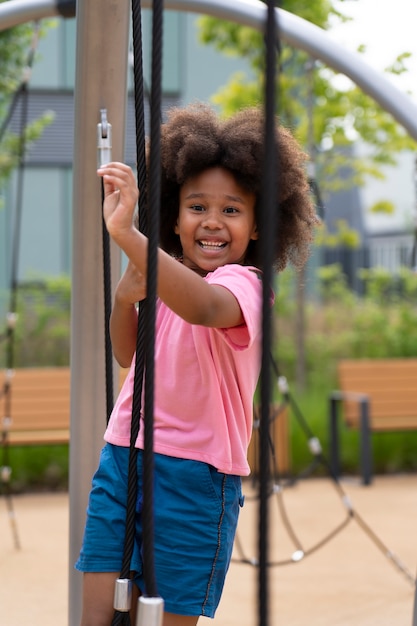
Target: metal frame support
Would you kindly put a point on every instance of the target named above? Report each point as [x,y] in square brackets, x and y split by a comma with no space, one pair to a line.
[101,83]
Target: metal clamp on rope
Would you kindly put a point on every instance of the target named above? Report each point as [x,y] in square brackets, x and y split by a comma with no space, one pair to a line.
[123,595]
[150,611]
[283,385]
[104,139]
[5,474]
[6,423]
[315,446]
[11,320]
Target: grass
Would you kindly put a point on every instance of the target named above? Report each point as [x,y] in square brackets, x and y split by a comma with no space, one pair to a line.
[36,468]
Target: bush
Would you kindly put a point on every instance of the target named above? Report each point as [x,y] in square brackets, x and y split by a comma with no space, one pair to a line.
[339,324]
[42,333]
[380,324]
[37,467]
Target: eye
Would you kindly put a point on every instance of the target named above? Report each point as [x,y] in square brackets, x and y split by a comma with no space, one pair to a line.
[197,207]
[230,210]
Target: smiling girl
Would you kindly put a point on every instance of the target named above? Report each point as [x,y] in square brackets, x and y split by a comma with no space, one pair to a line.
[207,354]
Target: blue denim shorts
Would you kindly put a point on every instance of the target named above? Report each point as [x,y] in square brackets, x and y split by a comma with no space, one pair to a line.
[196,510]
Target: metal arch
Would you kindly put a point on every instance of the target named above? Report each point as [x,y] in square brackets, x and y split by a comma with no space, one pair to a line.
[293,30]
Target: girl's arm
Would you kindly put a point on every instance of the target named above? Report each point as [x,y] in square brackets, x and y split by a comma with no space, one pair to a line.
[180,288]
[124,319]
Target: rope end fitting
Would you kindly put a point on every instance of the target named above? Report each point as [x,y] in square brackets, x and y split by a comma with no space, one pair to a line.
[123,595]
[104,139]
[151,611]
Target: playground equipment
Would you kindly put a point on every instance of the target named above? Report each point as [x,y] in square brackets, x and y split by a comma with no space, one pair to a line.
[101,70]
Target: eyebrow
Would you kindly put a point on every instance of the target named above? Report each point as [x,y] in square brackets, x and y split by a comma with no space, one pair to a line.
[204,195]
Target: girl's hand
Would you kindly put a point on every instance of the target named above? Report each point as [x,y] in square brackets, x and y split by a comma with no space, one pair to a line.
[120,198]
[131,287]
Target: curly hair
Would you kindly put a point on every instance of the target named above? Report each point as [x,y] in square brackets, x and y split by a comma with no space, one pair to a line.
[194,138]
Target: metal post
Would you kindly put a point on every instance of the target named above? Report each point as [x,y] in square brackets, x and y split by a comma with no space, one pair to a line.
[334,436]
[365,443]
[101,83]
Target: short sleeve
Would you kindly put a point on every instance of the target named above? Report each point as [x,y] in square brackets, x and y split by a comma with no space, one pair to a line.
[245,283]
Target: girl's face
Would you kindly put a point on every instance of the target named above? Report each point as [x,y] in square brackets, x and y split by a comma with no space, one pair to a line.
[216,220]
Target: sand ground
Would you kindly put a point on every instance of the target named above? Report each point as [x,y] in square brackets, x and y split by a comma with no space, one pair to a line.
[351,579]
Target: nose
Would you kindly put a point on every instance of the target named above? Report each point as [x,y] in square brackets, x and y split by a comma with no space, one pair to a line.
[212,221]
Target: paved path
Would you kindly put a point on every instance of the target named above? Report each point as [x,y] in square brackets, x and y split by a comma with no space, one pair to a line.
[347,582]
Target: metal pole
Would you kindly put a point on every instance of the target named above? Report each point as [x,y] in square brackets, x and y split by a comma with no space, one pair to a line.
[101,83]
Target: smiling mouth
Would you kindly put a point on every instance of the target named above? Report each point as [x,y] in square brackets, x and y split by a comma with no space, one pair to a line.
[212,245]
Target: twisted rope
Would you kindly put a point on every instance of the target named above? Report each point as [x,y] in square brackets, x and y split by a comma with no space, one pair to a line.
[146,309]
[267,229]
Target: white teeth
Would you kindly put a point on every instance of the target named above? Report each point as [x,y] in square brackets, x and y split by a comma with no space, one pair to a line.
[212,244]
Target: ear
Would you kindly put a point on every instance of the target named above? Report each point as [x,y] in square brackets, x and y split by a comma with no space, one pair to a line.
[176,228]
[255,234]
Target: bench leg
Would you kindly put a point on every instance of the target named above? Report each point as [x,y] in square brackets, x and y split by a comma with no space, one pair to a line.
[365,444]
[334,437]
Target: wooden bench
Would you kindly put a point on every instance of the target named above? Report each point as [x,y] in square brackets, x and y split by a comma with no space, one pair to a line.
[375,395]
[37,408]
[37,411]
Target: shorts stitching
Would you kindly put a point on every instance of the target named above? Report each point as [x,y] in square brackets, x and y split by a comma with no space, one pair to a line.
[219,541]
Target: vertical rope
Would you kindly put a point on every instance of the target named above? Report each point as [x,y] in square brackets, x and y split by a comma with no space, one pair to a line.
[146,309]
[107,312]
[130,529]
[153,236]
[267,228]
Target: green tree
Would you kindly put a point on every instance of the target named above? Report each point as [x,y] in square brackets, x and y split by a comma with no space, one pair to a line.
[17,47]
[339,114]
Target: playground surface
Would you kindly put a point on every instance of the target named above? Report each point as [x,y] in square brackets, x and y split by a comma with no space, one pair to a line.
[350,580]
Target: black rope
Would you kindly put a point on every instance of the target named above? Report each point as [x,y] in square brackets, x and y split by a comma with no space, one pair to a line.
[146,311]
[107,313]
[153,238]
[130,529]
[267,228]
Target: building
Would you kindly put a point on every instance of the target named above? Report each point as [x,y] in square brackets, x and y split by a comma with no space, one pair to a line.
[191,71]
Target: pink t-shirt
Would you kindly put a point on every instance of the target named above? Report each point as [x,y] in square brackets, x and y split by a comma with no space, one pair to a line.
[205,379]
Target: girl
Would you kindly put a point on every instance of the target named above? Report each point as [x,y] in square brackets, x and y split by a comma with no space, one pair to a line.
[207,354]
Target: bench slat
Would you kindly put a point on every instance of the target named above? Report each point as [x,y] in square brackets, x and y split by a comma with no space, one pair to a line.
[390,384]
[39,406]
[31,437]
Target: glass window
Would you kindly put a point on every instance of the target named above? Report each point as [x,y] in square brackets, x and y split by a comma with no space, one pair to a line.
[44,243]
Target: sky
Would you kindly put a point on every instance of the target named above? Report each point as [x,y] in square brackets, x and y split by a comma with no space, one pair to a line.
[387,28]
